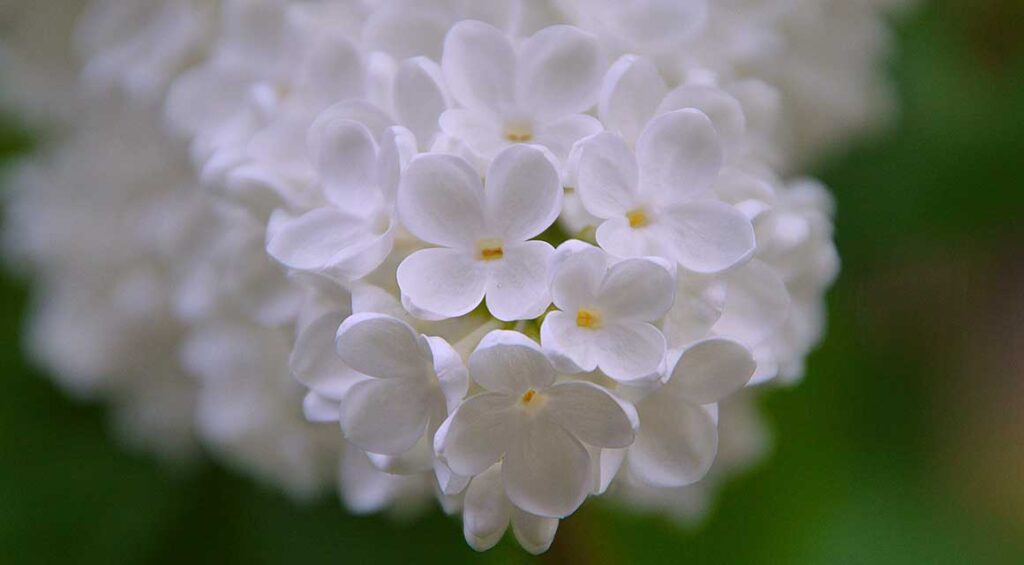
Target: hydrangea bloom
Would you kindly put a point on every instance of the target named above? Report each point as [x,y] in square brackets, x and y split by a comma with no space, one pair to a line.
[507,255]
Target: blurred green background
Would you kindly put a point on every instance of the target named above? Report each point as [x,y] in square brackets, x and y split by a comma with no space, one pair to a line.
[904,444]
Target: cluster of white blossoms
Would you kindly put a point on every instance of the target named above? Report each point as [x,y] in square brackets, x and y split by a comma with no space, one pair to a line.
[507,255]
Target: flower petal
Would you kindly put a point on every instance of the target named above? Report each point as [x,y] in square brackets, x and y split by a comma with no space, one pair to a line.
[420,97]
[572,348]
[608,176]
[383,347]
[721,107]
[559,72]
[451,372]
[522,194]
[517,284]
[479,67]
[627,351]
[386,416]
[756,304]
[309,242]
[486,511]
[560,135]
[637,289]
[477,434]
[534,533]
[444,282]
[707,236]
[711,370]
[480,132]
[676,444]
[546,470]
[319,409]
[439,201]
[592,414]
[630,93]
[510,363]
[679,155]
[315,363]
[617,237]
[345,154]
[576,270]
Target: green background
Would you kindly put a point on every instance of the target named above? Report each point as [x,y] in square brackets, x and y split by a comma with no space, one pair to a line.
[904,444]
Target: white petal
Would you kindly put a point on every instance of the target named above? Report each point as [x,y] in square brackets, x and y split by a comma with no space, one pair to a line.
[315,363]
[479,66]
[576,271]
[360,111]
[386,416]
[522,194]
[397,148]
[414,461]
[607,176]
[439,201]
[724,111]
[708,236]
[572,348]
[345,155]
[710,370]
[638,290]
[451,372]
[481,133]
[318,408]
[677,442]
[592,414]
[402,30]
[477,434]
[559,72]
[310,241]
[332,70]
[206,96]
[606,468]
[486,511]
[383,347]
[444,282]
[698,305]
[510,363]
[534,533]
[546,471]
[362,257]
[627,351]
[756,304]
[679,155]
[629,95]
[561,135]
[616,236]
[517,285]
[420,97]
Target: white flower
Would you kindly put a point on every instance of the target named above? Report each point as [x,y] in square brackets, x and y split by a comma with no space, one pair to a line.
[534,92]
[679,438]
[413,379]
[605,312]
[484,230]
[539,429]
[660,202]
[487,513]
[353,233]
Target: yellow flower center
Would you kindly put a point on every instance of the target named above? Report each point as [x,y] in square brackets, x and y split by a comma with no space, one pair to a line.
[518,132]
[490,249]
[589,319]
[528,396]
[637,218]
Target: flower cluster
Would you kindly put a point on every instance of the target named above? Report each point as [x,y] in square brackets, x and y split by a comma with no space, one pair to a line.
[517,253]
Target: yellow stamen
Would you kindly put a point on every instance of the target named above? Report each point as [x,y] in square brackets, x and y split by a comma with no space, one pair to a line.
[528,396]
[637,218]
[588,319]
[518,132]
[490,249]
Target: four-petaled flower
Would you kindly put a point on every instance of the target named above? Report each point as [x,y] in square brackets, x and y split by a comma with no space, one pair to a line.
[540,430]
[483,230]
[605,312]
[660,201]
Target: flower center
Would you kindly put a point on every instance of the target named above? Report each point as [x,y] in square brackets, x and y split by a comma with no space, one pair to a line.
[490,249]
[528,396]
[518,131]
[589,319]
[637,218]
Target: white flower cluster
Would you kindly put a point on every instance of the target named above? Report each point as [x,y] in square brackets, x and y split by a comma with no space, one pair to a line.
[520,252]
